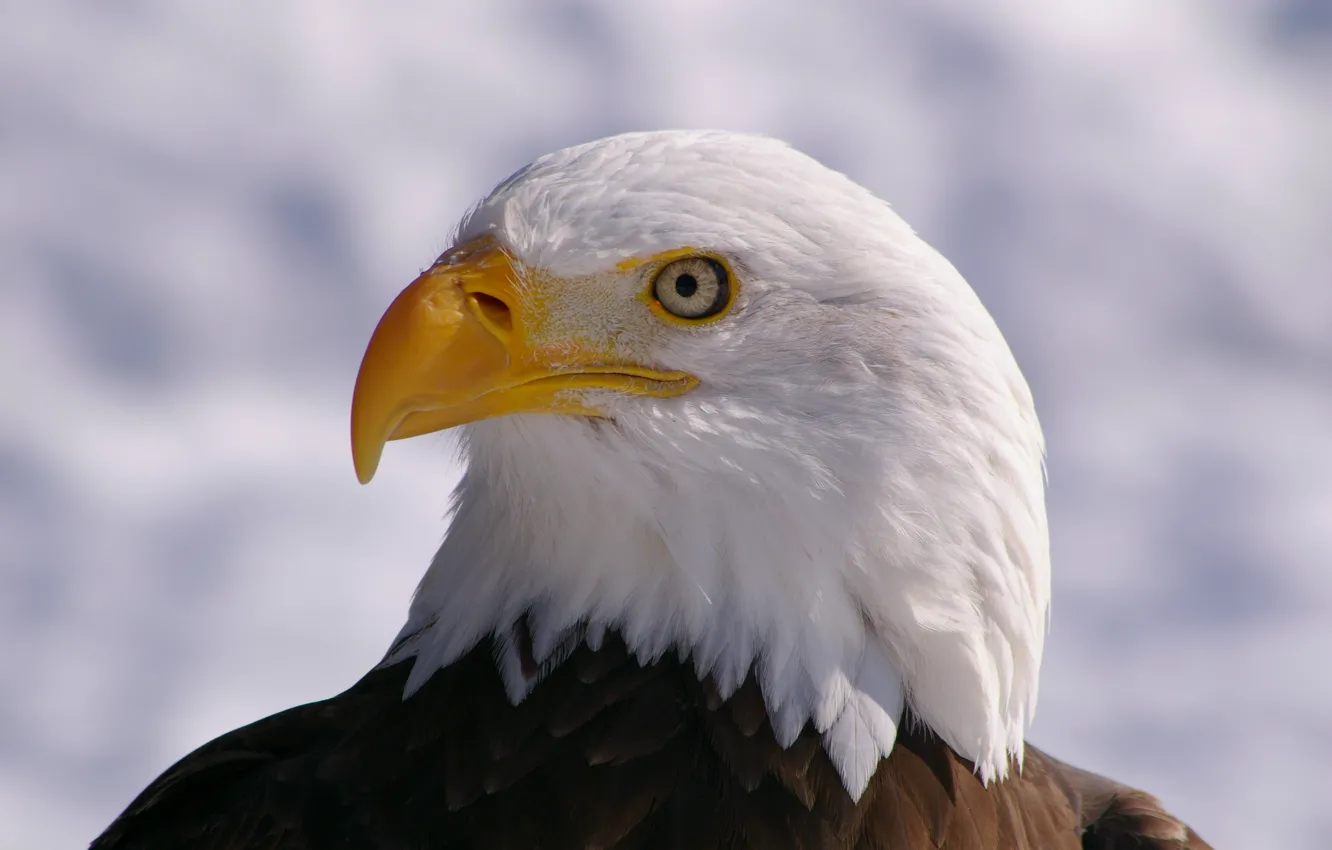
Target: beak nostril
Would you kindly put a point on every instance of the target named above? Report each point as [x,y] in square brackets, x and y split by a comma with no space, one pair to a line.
[493,313]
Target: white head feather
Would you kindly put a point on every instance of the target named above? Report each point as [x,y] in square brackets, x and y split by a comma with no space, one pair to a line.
[851,502]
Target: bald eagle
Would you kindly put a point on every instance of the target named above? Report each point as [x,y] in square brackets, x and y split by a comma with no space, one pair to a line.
[750,550]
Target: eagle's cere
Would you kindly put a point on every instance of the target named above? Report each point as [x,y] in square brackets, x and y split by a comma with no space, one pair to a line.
[729,423]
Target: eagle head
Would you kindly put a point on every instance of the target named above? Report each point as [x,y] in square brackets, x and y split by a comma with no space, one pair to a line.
[722,400]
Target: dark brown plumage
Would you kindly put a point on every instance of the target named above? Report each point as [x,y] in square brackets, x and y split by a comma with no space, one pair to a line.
[604,753]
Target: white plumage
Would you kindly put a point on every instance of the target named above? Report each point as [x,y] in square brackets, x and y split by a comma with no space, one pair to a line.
[851,501]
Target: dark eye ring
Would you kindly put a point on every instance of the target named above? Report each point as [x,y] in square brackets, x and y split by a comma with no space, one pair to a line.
[693,288]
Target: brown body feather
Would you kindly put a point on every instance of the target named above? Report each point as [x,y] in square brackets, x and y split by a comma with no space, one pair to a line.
[604,753]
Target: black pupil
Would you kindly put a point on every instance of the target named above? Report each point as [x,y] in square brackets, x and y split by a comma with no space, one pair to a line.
[686,285]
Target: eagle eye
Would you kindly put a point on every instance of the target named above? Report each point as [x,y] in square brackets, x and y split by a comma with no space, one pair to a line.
[693,288]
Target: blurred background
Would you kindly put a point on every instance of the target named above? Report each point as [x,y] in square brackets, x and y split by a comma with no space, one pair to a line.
[204,208]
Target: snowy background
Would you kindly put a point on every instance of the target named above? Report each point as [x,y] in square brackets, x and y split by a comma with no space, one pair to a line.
[204,208]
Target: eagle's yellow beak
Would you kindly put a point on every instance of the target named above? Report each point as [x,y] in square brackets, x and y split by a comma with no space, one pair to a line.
[466,341]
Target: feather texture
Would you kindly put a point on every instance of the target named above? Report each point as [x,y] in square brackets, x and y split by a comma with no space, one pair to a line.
[659,763]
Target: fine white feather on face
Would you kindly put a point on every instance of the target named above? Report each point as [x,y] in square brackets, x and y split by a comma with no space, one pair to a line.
[849,499]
